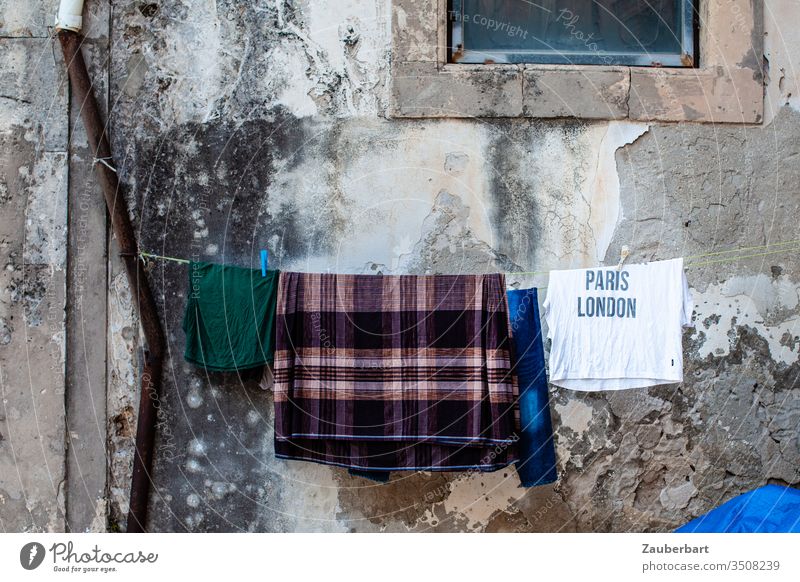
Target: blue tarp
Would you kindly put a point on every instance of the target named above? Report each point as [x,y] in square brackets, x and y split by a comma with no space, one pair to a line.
[768,509]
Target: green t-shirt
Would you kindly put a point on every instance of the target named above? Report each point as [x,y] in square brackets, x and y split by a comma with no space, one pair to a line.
[230,317]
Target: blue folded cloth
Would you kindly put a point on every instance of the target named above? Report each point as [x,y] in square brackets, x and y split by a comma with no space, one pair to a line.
[768,509]
[537,454]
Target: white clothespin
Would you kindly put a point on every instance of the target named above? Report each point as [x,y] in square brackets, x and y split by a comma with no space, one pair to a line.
[623,254]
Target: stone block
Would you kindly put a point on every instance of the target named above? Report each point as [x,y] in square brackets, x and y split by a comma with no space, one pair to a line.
[422,90]
[582,92]
[706,95]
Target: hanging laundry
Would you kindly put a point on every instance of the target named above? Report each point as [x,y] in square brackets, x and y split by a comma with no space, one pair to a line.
[230,317]
[537,455]
[394,372]
[614,328]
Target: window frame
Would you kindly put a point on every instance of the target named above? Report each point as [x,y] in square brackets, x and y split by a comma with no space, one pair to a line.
[726,86]
[458,53]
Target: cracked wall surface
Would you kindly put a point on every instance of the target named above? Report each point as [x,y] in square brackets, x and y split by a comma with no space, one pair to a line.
[242,126]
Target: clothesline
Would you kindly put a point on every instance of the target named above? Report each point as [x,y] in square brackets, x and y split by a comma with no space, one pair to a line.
[785,246]
[164,258]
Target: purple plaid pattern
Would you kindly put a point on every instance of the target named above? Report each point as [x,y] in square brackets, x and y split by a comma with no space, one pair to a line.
[395,372]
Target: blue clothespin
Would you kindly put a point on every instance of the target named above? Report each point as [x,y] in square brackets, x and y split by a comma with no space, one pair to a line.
[264,261]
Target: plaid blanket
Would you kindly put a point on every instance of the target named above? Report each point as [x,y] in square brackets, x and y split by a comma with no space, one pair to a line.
[394,372]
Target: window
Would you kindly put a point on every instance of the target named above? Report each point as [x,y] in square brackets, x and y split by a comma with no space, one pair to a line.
[641,60]
[578,32]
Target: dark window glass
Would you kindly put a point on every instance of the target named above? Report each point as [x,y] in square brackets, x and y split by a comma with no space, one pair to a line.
[627,32]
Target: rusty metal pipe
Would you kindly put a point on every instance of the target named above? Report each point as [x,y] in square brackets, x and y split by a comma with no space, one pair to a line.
[83,93]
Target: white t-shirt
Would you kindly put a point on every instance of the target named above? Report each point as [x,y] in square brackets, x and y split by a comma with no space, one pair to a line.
[615,329]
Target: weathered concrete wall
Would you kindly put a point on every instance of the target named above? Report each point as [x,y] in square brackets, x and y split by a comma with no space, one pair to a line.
[33,231]
[264,126]
[89,451]
[53,468]
[241,126]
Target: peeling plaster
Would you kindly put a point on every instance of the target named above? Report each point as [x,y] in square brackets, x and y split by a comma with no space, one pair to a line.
[331,65]
[781,47]
[296,93]
[122,395]
[753,301]
[199,62]
[477,497]
[557,191]
[603,188]
[575,415]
